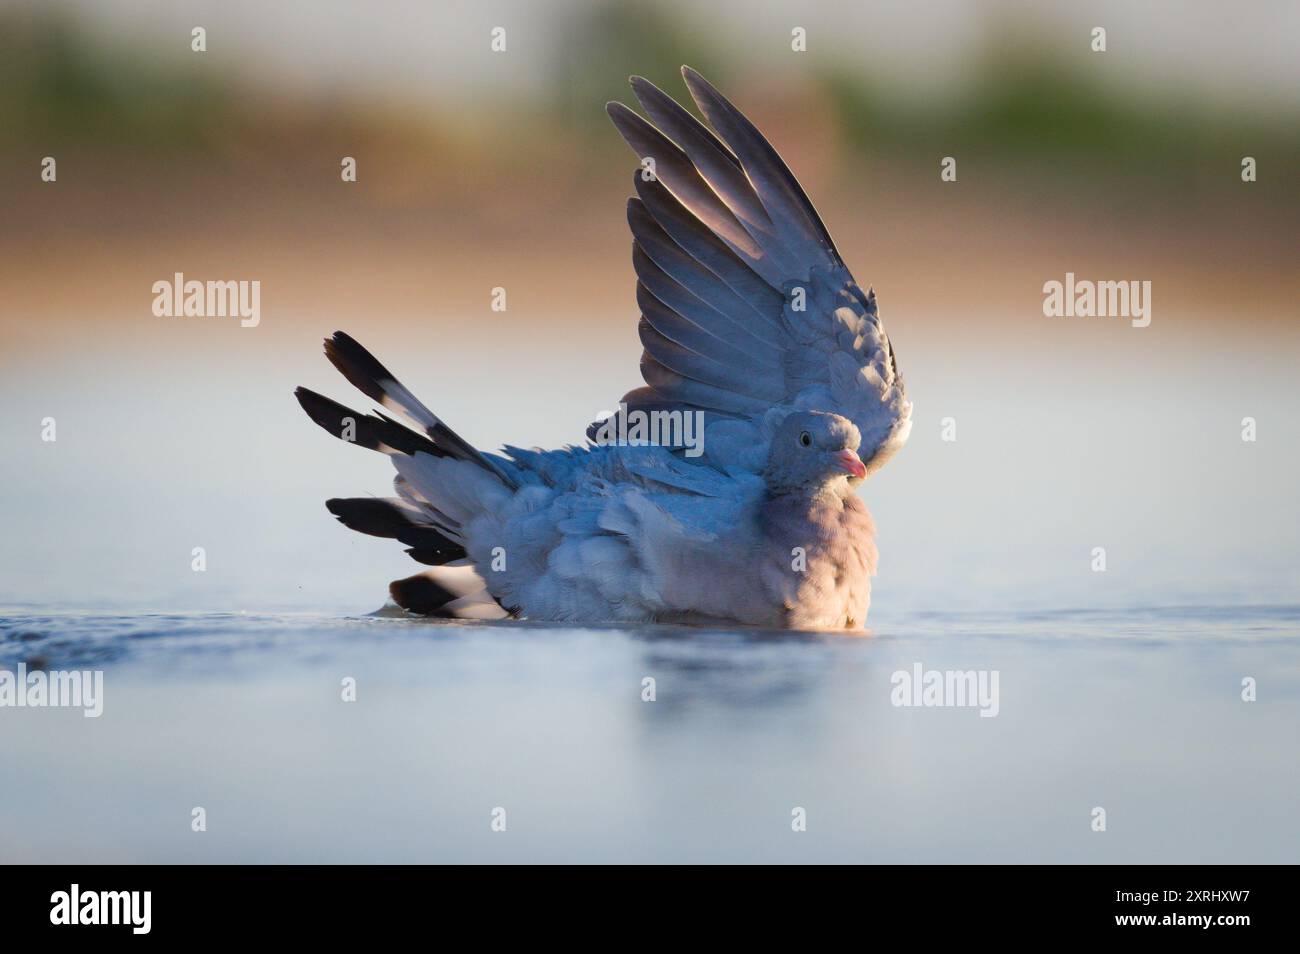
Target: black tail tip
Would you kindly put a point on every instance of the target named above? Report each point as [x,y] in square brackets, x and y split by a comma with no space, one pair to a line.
[419,594]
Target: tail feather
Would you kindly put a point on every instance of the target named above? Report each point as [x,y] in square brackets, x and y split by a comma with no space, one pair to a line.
[370,377]
[420,594]
[416,518]
[365,430]
[399,521]
[435,516]
[363,369]
[450,592]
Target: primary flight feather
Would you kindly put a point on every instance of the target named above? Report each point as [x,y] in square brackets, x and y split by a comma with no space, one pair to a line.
[767,358]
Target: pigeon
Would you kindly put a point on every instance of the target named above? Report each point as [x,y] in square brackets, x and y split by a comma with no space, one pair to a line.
[724,489]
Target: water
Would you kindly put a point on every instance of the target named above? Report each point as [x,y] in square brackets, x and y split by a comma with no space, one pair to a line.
[1138,712]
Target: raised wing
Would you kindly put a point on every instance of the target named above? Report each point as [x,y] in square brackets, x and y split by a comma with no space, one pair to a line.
[747,310]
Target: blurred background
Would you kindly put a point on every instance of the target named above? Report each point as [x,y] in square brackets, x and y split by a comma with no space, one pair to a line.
[478,170]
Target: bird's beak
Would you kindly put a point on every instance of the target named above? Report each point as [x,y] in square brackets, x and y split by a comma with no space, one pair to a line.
[851,463]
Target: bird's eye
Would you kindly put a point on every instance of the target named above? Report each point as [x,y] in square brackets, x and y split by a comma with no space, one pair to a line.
[805,439]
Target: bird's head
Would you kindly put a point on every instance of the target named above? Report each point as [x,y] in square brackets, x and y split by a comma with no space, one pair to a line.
[814,450]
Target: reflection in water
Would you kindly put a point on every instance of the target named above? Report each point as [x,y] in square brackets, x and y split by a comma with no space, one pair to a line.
[1139,712]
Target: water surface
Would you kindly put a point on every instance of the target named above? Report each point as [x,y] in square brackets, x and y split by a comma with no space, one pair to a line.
[1136,711]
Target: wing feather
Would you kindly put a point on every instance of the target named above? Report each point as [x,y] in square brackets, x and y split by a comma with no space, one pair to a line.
[720,336]
[746,305]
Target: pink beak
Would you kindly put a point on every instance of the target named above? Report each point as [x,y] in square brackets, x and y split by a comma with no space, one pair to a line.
[851,463]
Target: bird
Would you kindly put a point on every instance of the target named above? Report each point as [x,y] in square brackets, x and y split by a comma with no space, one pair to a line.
[768,372]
